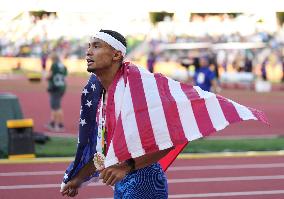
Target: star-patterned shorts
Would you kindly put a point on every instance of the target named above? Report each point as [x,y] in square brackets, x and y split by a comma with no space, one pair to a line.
[146,183]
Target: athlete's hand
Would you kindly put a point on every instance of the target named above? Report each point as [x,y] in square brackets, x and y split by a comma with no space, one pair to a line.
[71,188]
[114,173]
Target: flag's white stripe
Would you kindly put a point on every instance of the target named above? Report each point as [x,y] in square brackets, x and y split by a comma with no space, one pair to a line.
[186,115]
[118,96]
[156,111]
[214,109]
[129,124]
[243,111]
[111,159]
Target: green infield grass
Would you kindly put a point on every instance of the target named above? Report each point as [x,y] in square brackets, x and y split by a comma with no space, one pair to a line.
[64,147]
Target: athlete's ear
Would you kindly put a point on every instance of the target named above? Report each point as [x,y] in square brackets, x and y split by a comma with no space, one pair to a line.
[117,55]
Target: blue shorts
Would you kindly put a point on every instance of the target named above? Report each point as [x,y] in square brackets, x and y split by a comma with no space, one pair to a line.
[146,183]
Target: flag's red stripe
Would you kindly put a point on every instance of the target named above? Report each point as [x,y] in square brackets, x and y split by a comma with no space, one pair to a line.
[259,115]
[141,111]
[190,92]
[170,109]
[200,112]
[229,110]
[166,161]
[110,109]
[119,142]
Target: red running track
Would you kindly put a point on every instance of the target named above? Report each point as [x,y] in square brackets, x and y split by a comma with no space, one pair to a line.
[225,178]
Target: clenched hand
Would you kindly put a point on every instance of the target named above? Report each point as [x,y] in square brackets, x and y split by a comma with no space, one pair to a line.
[114,173]
[71,188]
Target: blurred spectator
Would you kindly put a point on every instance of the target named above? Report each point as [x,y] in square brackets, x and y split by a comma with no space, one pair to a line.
[151,61]
[204,77]
[213,64]
[248,64]
[56,90]
[263,69]
[43,59]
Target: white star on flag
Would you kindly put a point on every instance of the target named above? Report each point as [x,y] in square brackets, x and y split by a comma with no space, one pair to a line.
[65,176]
[83,122]
[93,87]
[89,103]
[85,91]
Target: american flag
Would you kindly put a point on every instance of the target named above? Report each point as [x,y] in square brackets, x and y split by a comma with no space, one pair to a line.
[149,112]
[88,128]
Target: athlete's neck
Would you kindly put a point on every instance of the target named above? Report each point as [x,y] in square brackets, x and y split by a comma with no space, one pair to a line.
[106,77]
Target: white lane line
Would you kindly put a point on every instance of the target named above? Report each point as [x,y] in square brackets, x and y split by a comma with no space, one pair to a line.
[170,181]
[216,167]
[32,173]
[206,195]
[176,168]
[31,186]
[39,186]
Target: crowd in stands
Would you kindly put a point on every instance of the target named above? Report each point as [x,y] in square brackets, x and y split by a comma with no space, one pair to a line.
[33,36]
[236,58]
[27,35]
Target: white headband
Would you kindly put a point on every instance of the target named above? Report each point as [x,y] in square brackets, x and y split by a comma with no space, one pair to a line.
[111,41]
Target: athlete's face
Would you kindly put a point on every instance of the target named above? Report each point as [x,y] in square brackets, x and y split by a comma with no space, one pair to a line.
[99,55]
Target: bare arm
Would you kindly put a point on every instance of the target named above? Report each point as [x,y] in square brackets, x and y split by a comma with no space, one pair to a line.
[112,174]
[71,188]
[149,159]
[115,173]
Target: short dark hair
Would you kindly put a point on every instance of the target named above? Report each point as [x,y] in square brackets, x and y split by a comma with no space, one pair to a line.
[116,35]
